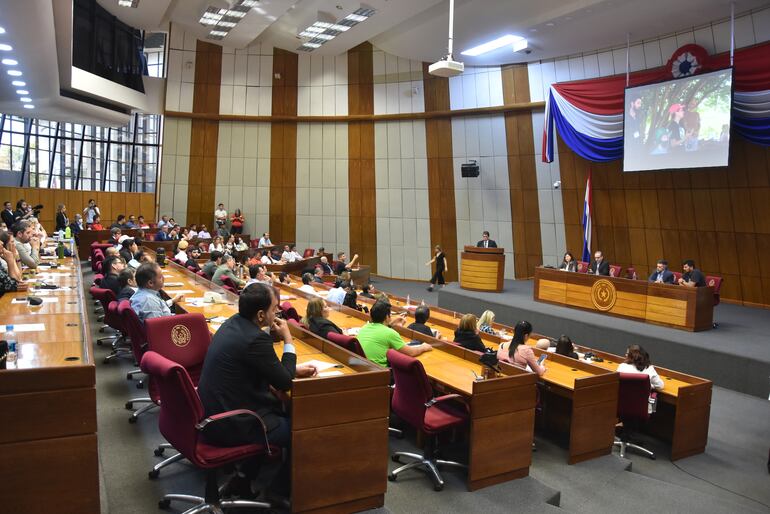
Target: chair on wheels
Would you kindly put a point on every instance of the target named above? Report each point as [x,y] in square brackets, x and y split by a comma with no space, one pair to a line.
[347,342]
[289,311]
[633,410]
[184,339]
[716,283]
[414,403]
[138,337]
[181,422]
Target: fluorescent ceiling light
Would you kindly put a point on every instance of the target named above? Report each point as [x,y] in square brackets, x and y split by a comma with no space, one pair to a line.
[500,42]
[128,3]
[218,33]
[235,14]
[14,73]
[312,45]
[249,3]
[25,99]
[327,37]
[19,83]
[355,17]
[29,106]
[10,62]
[340,28]
[2,30]
[520,45]
[226,24]
[5,48]
[22,92]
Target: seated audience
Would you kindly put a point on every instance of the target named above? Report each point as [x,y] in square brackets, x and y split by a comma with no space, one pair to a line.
[638,361]
[140,223]
[216,245]
[127,284]
[265,240]
[120,222]
[193,231]
[283,278]
[421,317]
[163,232]
[337,294]
[27,244]
[366,291]
[543,344]
[326,267]
[662,275]
[317,318]
[131,223]
[568,263]
[290,254]
[10,274]
[111,268]
[181,254]
[127,248]
[341,265]
[230,245]
[485,323]
[215,259]
[517,352]
[467,335]
[377,336]
[163,221]
[97,224]
[146,301]
[226,270]
[564,347]
[307,278]
[318,276]
[203,233]
[240,244]
[115,234]
[258,274]
[192,258]
[692,277]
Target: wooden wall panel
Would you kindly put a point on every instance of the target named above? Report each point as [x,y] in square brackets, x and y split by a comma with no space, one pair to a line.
[204,135]
[719,217]
[110,204]
[522,175]
[283,148]
[441,190]
[362,193]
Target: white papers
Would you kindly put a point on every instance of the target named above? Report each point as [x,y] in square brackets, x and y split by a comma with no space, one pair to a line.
[218,319]
[45,300]
[285,297]
[215,326]
[330,373]
[352,331]
[51,257]
[184,291]
[173,284]
[320,365]
[24,327]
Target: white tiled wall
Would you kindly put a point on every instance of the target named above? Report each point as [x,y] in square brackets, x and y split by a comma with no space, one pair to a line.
[322,187]
[322,85]
[397,84]
[483,203]
[403,220]
[247,81]
[243,172]
[181,70]
[175,172]
[476,87]
[749,30]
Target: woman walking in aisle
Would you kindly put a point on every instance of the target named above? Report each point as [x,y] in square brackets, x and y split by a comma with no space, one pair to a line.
[441,267]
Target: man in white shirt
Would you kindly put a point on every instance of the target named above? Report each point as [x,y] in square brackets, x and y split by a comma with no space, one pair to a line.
[307,278]
[290,254]
[181,254]
[163,221]
[204,233]
[337,295]
[220,215]
[265,240]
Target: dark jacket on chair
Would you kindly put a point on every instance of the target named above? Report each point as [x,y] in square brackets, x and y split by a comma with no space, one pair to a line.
[470,340]
[321,326]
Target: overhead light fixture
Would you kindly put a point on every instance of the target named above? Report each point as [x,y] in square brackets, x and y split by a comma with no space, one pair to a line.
[2,30]
[312,45]
[22,92]
[5,48]
[326,27]
[508,39]
[228,24]
[521,45]
[218,34]
[235,13]
[19,83]
[250,3]
[10,62]
[29,106]
[14,73]
[25,99]
[128,3]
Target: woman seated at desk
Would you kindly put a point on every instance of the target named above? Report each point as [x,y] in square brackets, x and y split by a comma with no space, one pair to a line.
[568,263]
[517,352]
[638,361]
[317,318]
[467,335]
[485,323]
[564,347]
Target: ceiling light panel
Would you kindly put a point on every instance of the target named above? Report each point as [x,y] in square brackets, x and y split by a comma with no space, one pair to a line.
[19,83]
[222,21]
[10,62]
[129,3]
[14,73]
[5,48]
[489,46]
[322,31]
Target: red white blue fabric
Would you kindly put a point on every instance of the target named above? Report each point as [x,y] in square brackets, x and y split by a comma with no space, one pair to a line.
[589,113]
[587,221]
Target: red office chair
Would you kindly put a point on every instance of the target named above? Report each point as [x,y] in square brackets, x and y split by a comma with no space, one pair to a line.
[582,267]
[615,270]
[228,282]
[309,252]
[414,403]
[289,312]
[138,337]
[231,289]
[677,276]
[716,283]
[633,410]
[201,274]
[98,279]
[181,422]
[347,342]
[631,273]
[121,347]
[104,297]
[192,269]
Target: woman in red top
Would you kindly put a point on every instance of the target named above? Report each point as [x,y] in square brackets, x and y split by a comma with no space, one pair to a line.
[97,224]
[236,222]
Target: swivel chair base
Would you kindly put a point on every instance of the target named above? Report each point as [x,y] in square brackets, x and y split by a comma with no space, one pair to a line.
[420,461]
[625,445]
[212,502]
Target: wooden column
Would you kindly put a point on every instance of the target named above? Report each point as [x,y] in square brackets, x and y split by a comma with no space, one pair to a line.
[362,197]
[283,149]
[441,185]
[204,135]
[522,174]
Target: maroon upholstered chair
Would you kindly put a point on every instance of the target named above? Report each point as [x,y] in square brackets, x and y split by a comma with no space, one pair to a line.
[98,279]
[347,342]
[184,339]
[181,422]
[121,347]
[289,311]
[615,270]
[582,267]
[231,289]
[633,410]
[414,403]
[298,323]
[201,274]
[677,276]
[309,252]
[104,297]
[716,283]
[138,335]
[227,281]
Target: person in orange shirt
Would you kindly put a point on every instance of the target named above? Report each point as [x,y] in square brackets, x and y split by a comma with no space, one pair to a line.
[97,224]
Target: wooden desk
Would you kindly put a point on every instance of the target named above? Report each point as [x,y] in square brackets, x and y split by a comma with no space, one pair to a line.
[501,409]
[48,443]
[482,269]
[684,406]
[685,308]
[339,423]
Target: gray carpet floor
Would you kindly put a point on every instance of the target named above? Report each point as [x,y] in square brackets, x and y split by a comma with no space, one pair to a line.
[731,476]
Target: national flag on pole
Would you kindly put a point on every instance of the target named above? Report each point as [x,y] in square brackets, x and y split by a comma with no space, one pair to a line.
[587,221]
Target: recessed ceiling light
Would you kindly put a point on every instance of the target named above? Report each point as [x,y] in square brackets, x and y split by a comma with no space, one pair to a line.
[29,106]
[312,45]
[249,3]
[14,73]
[2,30]
[22,92]
[550,24]
[218,33]
[228,24]
[10,62]
[19,83]
[533,30]
[236,14]
[500,42]
[25,99]
[327,37]
[5,48]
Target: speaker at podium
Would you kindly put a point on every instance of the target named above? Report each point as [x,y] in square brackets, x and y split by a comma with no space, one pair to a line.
[482,269]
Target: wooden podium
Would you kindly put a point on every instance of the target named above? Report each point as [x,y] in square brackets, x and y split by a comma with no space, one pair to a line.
[482,269]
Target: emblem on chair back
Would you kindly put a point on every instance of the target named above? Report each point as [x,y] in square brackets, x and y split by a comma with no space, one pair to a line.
[180,335]
[603,294]
[712,282]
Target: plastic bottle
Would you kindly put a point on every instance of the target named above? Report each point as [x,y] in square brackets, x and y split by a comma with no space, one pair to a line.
[10,336]
[60,249]
[68,232]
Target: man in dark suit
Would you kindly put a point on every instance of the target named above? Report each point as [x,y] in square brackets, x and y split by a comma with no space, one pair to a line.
[111,268]
[599,266]
[661,274]
[485,241]
[8,217]
[240,368]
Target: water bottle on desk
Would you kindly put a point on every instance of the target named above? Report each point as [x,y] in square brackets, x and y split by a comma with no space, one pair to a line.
[10,337]
[60,249]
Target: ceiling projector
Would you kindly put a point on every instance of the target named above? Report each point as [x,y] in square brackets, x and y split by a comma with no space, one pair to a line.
[446,68]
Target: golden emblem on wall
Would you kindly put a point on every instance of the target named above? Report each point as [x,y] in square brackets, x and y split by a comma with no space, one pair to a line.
[180,335]
[603,294]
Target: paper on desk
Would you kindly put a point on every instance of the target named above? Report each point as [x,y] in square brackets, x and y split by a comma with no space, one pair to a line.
[52,257]
[320,365]
[352,331]
[173,284]
[25,327]
[330,373]
[215,326]
[285,297]
[218,319]
[184,291]
[45,300]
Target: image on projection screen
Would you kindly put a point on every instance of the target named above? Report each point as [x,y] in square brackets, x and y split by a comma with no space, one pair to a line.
[682,123]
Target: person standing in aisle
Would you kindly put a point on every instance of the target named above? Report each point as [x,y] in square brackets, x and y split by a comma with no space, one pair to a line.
[441,267]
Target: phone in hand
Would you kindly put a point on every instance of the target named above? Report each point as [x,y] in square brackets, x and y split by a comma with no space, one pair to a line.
[542,358]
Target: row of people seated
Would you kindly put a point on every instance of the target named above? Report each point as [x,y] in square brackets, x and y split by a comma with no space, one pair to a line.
[690,276]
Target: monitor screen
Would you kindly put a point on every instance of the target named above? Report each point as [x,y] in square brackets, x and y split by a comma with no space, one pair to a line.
[681,123]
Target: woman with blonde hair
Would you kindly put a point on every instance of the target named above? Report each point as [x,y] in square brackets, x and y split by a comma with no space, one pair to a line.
[485,323]
[317,318]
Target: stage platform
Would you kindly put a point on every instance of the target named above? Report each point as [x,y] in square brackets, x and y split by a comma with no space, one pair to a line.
[736,355]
